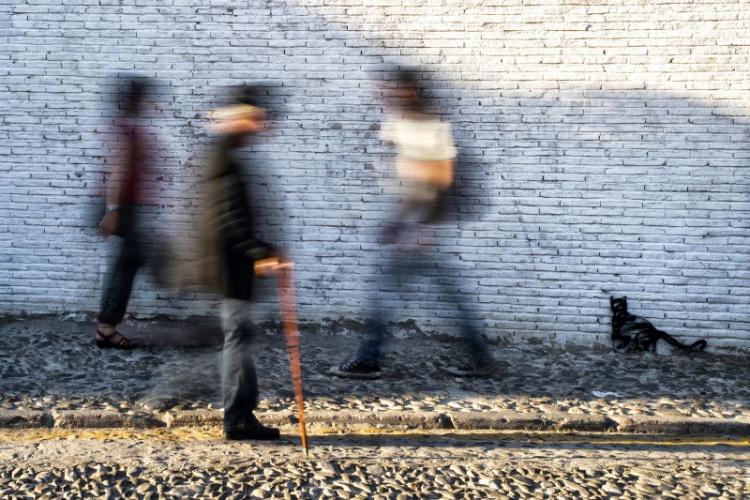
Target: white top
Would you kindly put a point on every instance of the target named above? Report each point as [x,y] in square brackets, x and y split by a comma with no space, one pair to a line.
[420,140]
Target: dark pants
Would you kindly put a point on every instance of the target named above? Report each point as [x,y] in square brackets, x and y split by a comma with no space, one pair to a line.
[238,378]
[139,246]
[410,264]
[119,280]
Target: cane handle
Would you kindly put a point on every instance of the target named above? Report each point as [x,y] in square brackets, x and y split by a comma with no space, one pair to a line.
[271,265]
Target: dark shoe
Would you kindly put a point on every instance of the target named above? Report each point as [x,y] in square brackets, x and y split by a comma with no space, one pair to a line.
[356,368]
[114,340]
[253,430]
[483,368]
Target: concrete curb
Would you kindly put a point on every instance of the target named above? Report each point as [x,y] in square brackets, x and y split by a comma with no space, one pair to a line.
[187,418]
[397,420]
[97,419]
[387,420]
[334,419]
[24,419]
[683,426]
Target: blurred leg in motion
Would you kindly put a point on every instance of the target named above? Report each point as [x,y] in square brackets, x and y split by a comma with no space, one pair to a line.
[407,261]
[480,362]
[398,266]
[239,381]
[365,363]
[118,285]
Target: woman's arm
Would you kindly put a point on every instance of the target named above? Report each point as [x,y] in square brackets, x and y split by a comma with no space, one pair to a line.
[115,181]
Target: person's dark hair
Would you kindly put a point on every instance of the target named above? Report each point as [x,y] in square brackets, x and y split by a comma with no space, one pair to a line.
[254,95]
[407,78]
[131,93]
[410,78]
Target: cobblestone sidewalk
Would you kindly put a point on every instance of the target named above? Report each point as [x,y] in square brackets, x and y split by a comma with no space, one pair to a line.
[190,463]
[51,374]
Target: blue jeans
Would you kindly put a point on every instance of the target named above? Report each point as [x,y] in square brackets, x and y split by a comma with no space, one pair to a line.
[118,283]
[410,264]
[138,247]
[239,381]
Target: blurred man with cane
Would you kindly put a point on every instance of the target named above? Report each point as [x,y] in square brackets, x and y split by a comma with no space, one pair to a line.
[230,249]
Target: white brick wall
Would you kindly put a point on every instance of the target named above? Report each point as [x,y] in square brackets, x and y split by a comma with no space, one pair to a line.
[608,140]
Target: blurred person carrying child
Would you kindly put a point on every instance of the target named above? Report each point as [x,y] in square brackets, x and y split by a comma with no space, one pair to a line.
[425,154]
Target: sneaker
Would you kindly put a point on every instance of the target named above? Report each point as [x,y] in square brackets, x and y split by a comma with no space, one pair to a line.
[473,369]
[253,430]
[356,368]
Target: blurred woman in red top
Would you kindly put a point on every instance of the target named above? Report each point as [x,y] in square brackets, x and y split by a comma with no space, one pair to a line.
[125,197]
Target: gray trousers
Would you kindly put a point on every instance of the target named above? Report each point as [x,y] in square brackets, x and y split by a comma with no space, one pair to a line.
[239,381]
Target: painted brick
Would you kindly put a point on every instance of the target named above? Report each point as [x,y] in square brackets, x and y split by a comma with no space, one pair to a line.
[607,152]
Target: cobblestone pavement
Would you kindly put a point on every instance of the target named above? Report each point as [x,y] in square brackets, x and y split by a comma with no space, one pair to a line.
[48,364]
[194,464]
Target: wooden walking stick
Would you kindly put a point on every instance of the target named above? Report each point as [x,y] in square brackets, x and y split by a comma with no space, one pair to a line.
[285,288]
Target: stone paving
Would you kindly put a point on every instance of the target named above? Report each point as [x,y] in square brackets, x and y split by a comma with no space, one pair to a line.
[191,465]
[52,365]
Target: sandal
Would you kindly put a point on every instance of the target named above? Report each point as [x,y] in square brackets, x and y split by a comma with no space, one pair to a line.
[107,341]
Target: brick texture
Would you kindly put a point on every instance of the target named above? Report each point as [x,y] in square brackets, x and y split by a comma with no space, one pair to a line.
[604,151]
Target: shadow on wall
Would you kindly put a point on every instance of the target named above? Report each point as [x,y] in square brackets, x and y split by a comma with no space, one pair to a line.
[590,193]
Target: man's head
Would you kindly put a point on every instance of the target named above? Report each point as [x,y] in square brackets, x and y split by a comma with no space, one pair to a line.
[244,115]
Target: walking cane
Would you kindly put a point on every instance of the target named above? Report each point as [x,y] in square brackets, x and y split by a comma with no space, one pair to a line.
[285,288]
